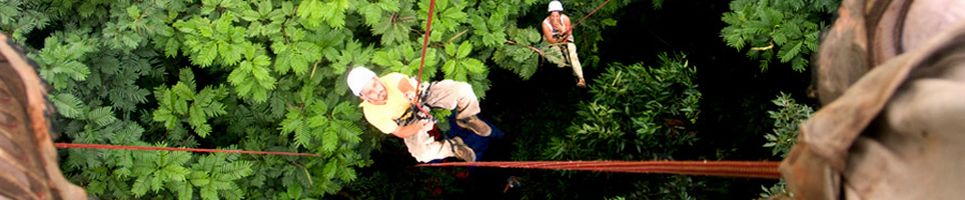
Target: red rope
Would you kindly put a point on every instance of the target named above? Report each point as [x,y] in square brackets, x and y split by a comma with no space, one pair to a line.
[425,40]
[750,169]
[149,148]
[425,45]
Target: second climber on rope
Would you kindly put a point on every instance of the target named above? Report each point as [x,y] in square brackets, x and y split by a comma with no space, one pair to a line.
[558,33]
[387,103]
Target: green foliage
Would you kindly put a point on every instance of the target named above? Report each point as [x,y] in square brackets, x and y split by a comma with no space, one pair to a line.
[674,187]
[785,29]
[554,54]
[421,184]
[215,179]
[18,17]
[775,191]
[616,198]
[313,12]
[786,121]
[182,103]
[156,169]
[462,68]
[62,60]
[520,52]
[637,112]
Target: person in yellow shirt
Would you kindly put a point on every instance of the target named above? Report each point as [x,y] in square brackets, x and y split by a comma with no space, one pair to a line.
[387,103]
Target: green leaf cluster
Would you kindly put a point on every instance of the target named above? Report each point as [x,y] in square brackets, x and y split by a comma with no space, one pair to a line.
[639,112]
[182,103]
[636,113]
[519,57]
[784,29]
[787,120]
[459,67]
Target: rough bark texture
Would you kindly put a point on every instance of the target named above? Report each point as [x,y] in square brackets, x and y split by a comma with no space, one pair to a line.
[894,132]
[28,159]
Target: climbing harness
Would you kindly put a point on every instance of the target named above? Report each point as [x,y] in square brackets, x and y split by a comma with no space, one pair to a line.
[414,113]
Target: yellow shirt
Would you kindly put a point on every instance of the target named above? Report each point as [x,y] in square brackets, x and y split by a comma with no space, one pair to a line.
[383,116]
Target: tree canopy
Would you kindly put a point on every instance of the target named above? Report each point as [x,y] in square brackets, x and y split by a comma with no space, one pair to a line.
[270,75]
[256,75]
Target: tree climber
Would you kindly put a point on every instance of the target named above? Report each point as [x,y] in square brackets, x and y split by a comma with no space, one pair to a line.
[557,32]
[387,105]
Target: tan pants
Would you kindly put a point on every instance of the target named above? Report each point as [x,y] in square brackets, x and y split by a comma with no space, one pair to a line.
[449,94]
[569,54]
[424,148]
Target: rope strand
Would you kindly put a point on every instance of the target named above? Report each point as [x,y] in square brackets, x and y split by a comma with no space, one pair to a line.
[422,62]
[750,169]
[149,148]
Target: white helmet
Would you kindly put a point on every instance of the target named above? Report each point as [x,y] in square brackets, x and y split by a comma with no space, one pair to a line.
[555,6]
[358,77]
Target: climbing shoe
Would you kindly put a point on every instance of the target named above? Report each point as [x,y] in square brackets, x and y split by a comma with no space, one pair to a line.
[476,125]
[462,150]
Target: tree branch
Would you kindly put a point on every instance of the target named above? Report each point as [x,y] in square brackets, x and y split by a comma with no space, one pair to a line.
[540,52]
[764,48]
[457,36]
